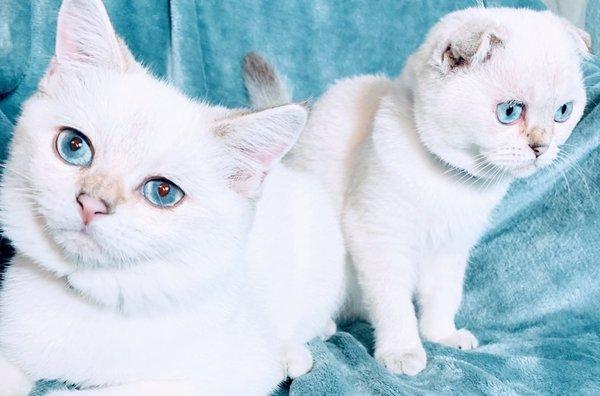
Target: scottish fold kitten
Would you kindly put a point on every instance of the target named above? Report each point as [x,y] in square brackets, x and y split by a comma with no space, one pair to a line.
[160,246]
[416,165]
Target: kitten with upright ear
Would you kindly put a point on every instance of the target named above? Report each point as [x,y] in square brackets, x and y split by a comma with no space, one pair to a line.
[258,140]
[86,36]
[161,235]
[415,166]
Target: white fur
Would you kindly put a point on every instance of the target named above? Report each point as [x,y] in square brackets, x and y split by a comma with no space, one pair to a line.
[217,295]
[297,261]
[416,165]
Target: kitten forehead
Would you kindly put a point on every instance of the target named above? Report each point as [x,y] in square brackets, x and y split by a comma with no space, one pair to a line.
[537,60]
[537,33]
[132,119]
[116,100]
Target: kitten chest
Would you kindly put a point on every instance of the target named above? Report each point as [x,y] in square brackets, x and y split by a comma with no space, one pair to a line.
[51,333]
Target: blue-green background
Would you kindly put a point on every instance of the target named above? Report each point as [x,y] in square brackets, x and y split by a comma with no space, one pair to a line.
[533,288]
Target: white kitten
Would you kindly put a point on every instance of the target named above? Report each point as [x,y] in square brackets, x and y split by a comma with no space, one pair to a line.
[415,166]
[146,262]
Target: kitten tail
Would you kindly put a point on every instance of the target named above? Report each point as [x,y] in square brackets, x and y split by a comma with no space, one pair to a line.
[265,86]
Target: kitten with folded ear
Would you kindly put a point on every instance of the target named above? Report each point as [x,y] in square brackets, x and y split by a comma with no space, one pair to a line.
[161,247]
[416,165]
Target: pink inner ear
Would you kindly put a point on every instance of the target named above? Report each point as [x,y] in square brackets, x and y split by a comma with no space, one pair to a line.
[267,157]
[246,183]
[65,45]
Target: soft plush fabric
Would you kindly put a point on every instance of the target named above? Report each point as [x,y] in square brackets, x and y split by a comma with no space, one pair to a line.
[533,286]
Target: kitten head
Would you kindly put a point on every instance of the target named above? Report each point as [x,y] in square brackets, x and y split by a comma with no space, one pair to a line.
[498,91]
[110,167]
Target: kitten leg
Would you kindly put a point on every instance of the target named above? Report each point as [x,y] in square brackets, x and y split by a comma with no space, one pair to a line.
[388,289]
[387,273]
[146,388]
[298,360]
[397,343]
[14,382]
[440,293]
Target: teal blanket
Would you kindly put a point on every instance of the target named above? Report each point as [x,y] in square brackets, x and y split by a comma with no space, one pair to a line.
[533,286]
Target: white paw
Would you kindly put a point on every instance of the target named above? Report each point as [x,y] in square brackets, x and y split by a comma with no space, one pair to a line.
[329,330]
[298,360]
[460,339]
[409,362]
[14,382]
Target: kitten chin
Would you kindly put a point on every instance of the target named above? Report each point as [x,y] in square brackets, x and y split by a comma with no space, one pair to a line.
[79,247]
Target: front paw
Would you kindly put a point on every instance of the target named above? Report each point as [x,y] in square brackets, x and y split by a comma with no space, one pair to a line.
[328,331]
[460,339]
[14,382]
[298,359]
[410,361]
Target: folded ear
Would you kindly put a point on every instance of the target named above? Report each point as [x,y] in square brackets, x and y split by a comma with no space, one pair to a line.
[471,43]
[84,35]
[581,38]
[257,141]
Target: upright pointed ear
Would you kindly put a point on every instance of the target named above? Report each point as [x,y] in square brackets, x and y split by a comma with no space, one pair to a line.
[471,43]
[257,141]
[84,35]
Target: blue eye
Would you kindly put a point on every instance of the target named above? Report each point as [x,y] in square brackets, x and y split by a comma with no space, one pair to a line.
[563,112]
[509,112]
[74,147]
[162,192]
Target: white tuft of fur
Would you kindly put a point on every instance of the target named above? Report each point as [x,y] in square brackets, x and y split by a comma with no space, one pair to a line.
[203,297]
[415,166]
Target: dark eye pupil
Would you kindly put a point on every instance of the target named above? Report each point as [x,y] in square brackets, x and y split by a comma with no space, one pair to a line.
[163,189]
[563,109]
[76,143]
[510,110]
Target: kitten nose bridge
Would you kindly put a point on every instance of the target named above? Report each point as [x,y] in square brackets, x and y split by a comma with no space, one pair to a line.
[99,194]
[539,140]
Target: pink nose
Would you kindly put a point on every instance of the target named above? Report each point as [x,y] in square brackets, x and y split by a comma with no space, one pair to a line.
[91,207]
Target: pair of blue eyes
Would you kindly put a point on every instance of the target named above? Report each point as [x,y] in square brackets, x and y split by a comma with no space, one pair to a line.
[76,149]
[511,111]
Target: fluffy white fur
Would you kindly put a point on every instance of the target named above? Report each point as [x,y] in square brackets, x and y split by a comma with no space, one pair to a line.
[217,295]
[416,165]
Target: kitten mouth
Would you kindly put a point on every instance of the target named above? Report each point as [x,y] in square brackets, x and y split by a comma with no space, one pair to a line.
[78,243]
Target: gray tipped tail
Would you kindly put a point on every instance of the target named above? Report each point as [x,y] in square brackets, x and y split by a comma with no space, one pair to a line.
[265,86]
